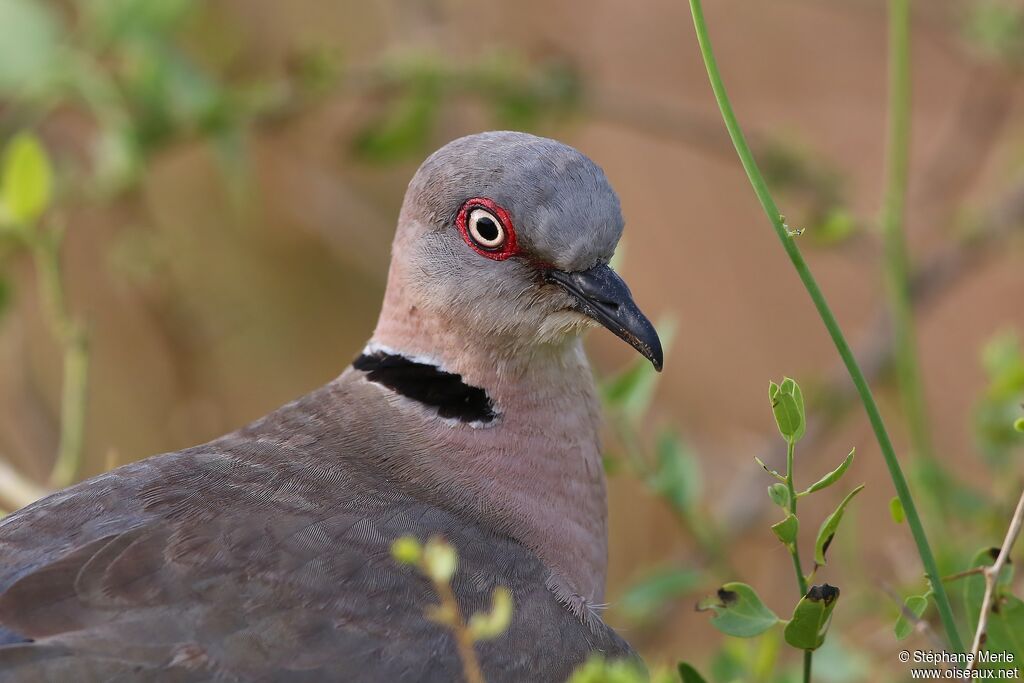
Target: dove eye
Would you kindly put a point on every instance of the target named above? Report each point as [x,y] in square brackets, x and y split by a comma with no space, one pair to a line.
[487,228]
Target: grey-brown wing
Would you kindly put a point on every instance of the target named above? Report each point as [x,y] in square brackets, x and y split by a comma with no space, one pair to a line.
[216,568]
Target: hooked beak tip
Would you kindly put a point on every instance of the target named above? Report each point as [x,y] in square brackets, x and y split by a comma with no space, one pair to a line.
[601,294]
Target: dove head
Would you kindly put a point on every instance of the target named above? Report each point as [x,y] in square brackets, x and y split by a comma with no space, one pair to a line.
[508,236]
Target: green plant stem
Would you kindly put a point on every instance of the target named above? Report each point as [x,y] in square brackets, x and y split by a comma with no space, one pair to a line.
[794,548]
[70,335]
[827,317]
[893,231]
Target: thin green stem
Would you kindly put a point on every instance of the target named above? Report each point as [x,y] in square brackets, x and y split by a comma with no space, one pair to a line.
[893,220]
[70,335]
[827,317]
[794,548]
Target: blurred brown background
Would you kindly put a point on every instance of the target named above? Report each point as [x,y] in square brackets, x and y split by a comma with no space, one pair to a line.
[222,274]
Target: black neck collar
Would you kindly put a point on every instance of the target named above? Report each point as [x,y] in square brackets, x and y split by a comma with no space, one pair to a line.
[425,383]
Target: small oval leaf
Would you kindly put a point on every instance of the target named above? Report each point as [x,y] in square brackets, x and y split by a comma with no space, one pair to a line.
[896,510]
[787,413]
[915,605]
[790,386]
[26,179]
[832,477]
[688,674]
[829,526]
[490,625]
[407,550]
[787,529]
[440,559]
[811,618]
[739,611]
[779,495]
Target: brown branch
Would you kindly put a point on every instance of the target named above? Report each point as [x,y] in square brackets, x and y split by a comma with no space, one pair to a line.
[963,575]
[992,580]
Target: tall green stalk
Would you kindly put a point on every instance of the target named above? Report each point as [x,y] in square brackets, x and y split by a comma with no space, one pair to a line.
[893,215]
[827,317]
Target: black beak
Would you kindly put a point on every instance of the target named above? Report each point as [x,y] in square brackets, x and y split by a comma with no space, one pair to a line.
[602,295]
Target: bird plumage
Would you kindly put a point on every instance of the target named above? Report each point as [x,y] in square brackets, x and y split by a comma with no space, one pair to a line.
[264,555]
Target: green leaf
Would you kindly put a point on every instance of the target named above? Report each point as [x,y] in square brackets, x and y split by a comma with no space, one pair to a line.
[811,618]
[789,386]
[779,495]
[830,478]
[787,529]
[677,478]
[658,590]
[829,526]
[916,605]
[738,611]
[440,559]
[788,408]
[25,179]
[769,470]
[1006,620]
[1018,424]
[688,674]
[599,670]
[407,550]
[837,225]
[896,510]
[490,625]
[631,391]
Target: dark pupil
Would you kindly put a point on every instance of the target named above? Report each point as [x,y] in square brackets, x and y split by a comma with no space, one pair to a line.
[487,230]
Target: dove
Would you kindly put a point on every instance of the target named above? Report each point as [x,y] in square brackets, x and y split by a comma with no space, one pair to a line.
[471,415]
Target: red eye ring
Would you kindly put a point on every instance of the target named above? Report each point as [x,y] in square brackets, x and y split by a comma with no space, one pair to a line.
[508,248]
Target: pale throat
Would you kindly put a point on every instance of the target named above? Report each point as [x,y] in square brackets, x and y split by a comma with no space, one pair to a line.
[535,471]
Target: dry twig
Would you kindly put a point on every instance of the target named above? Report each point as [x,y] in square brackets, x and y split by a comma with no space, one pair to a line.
[992,580]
